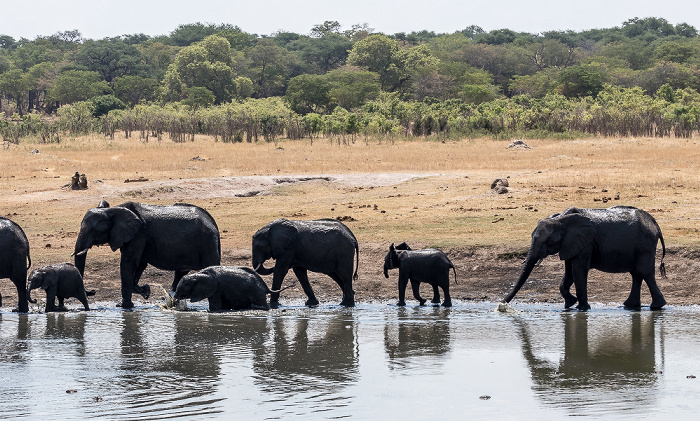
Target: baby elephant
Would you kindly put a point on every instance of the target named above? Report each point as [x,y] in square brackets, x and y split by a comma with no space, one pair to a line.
[226,287]
[61,280]
[427,265]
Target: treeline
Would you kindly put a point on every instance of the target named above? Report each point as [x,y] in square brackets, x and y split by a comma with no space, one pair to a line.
[638,79]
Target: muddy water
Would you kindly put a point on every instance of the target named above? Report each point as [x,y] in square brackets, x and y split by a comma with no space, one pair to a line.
[372,361]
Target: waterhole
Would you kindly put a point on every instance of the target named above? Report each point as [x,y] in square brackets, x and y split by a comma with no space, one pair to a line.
[375,361]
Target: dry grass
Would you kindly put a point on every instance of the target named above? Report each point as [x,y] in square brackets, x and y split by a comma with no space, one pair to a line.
[448,204]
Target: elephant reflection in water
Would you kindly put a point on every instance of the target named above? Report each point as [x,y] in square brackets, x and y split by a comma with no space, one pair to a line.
[308,353]
[417,335]
[604,361]
[67,326]
[14,334]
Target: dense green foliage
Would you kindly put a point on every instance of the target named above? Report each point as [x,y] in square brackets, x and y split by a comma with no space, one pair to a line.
[641,78]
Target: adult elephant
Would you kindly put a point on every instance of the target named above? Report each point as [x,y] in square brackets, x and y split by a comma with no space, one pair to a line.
[14,259]
[614,240]
[180,237]
[325,245]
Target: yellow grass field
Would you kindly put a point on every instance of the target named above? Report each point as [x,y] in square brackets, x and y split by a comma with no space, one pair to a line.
[424,192]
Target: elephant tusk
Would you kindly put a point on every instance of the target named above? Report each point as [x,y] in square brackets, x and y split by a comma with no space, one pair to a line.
[80,253]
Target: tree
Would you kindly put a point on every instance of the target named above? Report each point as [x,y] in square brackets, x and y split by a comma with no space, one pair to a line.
[322,54]
[135,89]
[351,87]
[76,85]
[105,103]
[383,55]
[270,65]
[15,84]
[308,94]
[206,64]
[581,81]
[111,58]
[329,27]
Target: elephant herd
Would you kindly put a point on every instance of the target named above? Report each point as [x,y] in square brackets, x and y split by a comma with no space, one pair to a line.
[183,238]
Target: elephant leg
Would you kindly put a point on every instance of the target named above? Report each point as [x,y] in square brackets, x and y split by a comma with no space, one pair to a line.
[50,299]
[127,273]
[446,292]
[436,294]
[1,302]
[634,301]
[145,289]
[215,302]
[565,286]
[176,279]
[61,306]
[20,280]
[415,286]
[303,277]
[280,272]
[581,283]
[82,297]
[403,282]
[657,298]
[346,286]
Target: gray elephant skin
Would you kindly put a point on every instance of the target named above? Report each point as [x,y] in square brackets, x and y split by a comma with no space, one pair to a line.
[179,237]
[62,280]
[324,245]
[429,265]
[615,240]
[14,259]
[226,288]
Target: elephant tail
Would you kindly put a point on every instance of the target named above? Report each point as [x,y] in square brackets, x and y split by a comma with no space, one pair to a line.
[662,266]
[455,272]
[357,261]
[270,291]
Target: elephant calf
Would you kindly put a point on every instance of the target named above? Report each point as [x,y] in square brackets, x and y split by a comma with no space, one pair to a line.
[61,280]
[431,266]
[226,287]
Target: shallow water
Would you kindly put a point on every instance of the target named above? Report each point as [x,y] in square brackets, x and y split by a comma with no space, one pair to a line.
[372,361]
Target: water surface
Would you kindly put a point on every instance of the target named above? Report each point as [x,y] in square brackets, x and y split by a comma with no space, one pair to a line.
[372,361]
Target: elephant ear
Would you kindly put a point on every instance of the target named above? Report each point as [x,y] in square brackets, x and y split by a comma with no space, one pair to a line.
[203,287]
[579,232]
[124,226]
[281,237]
[49,279]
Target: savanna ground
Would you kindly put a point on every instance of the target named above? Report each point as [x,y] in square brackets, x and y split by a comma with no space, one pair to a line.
[427,193]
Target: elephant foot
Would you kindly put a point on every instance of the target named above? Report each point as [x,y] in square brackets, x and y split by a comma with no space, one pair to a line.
[630,305]
[656,305]
[274,304]
[421,302]
[126,304]
[348,303]
[311,302]
[447,303]
[435,300]
[583,306]
[569,301]
[401,303]
[143,290]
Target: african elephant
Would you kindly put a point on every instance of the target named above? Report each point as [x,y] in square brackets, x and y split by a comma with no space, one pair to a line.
[62,280]
[614,240]
[14,259]
[324,245]
[429,265]
[226,287]
[179,237]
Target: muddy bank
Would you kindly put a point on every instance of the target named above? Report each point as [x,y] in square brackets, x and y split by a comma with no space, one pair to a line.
[483,274]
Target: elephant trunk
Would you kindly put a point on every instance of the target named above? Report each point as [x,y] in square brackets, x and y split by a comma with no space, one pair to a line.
[529,264]
[29,295]
[82,245]
[259,264]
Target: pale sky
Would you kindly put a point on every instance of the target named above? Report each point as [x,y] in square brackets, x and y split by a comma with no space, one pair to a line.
[97,19]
